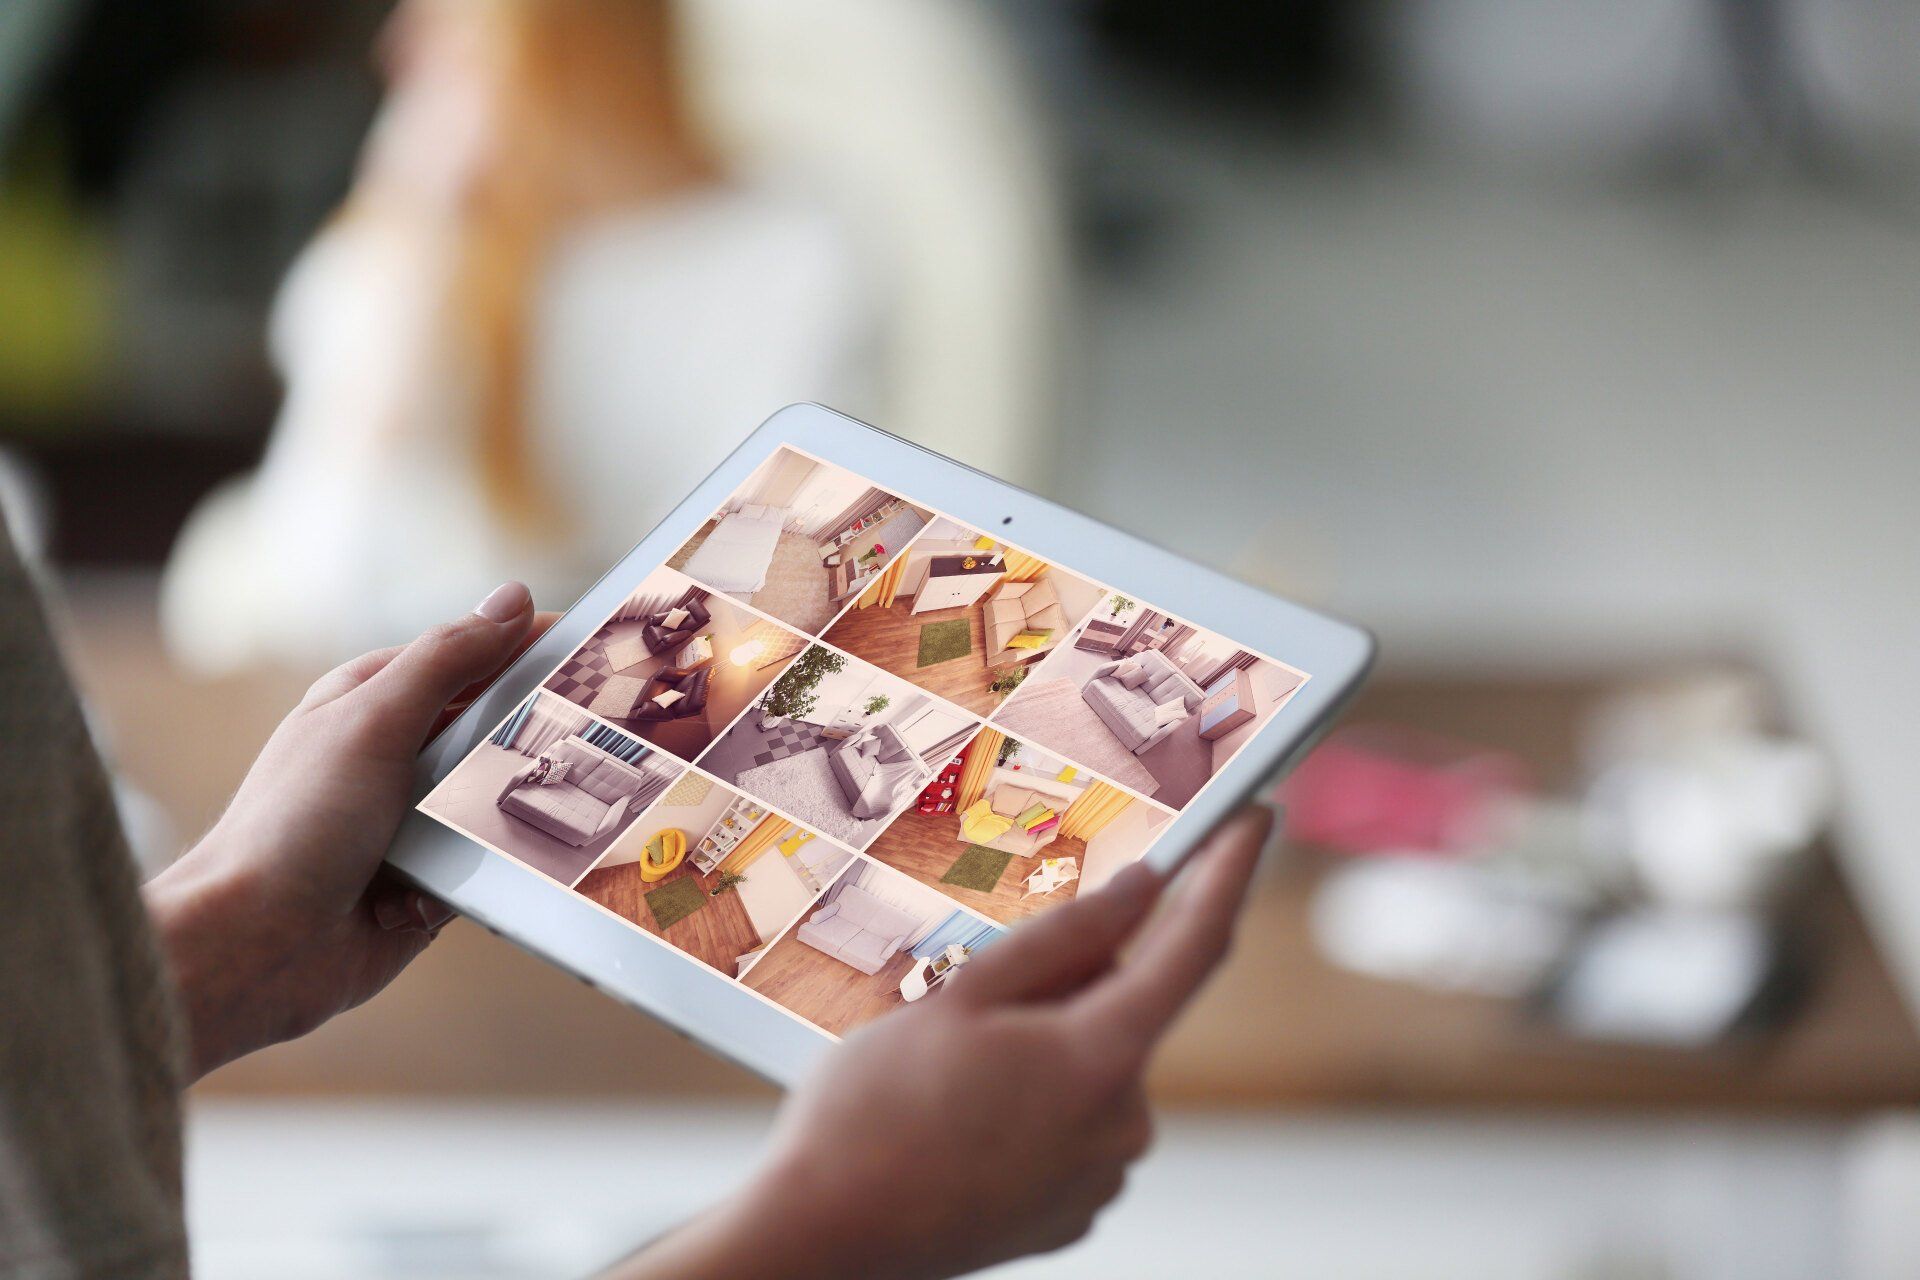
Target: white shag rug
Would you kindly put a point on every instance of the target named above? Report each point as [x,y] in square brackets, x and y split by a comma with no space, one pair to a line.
[804,786]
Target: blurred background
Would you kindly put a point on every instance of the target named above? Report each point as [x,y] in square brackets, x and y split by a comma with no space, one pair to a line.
[1571,347]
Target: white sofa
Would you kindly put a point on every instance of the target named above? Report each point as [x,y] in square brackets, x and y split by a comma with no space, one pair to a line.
[1129,705]
[859,929]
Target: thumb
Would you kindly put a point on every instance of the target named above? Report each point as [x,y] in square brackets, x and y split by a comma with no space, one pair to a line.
[403,700]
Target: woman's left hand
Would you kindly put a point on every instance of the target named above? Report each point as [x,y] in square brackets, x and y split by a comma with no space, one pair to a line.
[281,916]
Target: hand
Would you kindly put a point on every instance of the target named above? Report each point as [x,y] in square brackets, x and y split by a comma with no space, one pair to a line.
[996,1119]
[281,917]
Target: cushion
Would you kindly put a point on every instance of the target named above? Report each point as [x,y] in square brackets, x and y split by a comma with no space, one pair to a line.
[1012,590]
[1044,825]
[893,748]
[1131,673]
[867,746]
[666,698]
[991,827]
[556,771]
[1043,595]
[674,618]
[698,650]
[1051,618]
[1010,800]
[1167,713]
[1030,815]
[1030,640]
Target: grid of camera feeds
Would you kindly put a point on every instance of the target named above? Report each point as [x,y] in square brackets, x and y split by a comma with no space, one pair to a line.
[838,743]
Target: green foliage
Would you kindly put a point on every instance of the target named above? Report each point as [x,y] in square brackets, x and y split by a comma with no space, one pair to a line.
[1009,748]
[877,703]
[1119,604]
[792,695]
[728,881]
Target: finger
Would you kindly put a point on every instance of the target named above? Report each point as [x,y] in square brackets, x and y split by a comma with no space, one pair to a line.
[1181,946]
[401,702]
[1062,950]
[462,700]
[347,677]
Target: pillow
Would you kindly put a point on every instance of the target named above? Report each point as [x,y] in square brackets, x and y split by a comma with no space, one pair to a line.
[666,698]
[1045,825]
[1051,618]
[991,827]
[893,750]
[1008,801]
[1030,640]
[1132,673]
[1167,713]
[753,511]
[1031,814]
[556,772]
[674,618]
[698,650]
[1012,590]
[868,746]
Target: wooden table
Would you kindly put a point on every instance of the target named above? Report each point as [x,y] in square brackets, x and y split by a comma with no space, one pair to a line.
[1279,1027]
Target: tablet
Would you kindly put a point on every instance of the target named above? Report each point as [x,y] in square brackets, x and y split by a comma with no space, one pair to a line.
[840,722]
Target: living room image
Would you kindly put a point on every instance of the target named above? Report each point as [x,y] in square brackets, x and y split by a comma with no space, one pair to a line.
[1153,703]
[875,942]
[963,615]
[675,663]
[552,787]
[799,540]
[1009,829]
[712,872]
[839,744]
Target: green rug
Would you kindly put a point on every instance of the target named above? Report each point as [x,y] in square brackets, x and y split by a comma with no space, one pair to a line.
[675,901]
[945,641]
[978,868]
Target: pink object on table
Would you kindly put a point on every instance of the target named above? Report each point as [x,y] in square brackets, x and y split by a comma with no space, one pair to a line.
[1377,788]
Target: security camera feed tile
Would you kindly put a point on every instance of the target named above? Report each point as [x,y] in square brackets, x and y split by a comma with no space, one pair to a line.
[839,743]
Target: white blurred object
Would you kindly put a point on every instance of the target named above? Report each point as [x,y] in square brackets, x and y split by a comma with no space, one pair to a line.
[1672,977]
[1717,826]
[916,118]
[1444,924]
[660,339]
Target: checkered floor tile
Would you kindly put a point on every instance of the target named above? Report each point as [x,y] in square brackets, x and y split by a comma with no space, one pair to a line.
[583,673]
[788,738]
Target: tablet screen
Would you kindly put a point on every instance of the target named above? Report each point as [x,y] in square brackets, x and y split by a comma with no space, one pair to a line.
[839,742]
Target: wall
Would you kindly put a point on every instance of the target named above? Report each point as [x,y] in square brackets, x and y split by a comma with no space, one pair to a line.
[772,893]
[1078,597]
[1118,843]
[694,819]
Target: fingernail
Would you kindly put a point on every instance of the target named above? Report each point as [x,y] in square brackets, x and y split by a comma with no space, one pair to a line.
[389,912]
[505,603]
[428,914]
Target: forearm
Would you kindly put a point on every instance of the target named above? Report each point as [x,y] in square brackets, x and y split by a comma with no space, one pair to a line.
[794,1221]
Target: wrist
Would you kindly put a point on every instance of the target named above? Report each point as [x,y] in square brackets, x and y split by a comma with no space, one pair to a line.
[201,916]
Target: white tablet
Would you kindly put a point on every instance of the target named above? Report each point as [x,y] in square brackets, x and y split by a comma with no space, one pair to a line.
[843,719]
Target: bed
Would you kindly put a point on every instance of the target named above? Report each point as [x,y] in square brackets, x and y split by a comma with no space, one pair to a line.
[735,556]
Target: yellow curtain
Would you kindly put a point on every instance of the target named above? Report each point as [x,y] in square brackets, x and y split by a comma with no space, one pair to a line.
[885,587]
[1097,806]
[755,843]
[1022,567]
[981,757]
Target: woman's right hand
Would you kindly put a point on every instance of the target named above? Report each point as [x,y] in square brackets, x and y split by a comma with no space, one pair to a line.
[996,1119]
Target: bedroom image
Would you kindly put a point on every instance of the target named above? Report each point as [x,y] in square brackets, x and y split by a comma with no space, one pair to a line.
[1008,829]
[1150,702]
[875,942]
[799,539]
[675,664]
[963,615]
[713,873]
[839,744]
[552,787]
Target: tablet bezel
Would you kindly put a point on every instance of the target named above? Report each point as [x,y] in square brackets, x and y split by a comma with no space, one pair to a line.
[548,919]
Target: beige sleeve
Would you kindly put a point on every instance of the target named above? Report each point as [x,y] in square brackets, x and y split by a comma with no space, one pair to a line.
[89,1071]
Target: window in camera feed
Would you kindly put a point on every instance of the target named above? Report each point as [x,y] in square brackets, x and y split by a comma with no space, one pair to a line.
[838,743]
